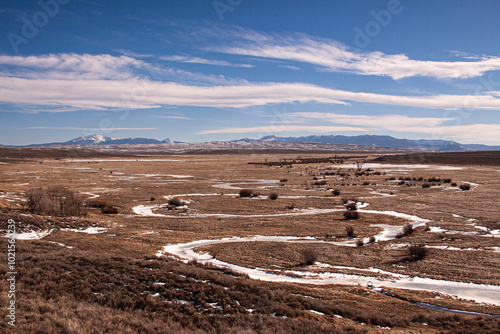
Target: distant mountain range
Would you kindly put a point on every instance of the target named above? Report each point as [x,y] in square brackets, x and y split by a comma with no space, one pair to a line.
[101,140]
[366,140]
[380,141]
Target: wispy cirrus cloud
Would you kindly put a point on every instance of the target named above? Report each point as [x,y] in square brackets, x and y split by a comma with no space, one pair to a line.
[83,129]
[198,60]
[173,117]
[429,127]
[334,56]
[284,128]
[389,122]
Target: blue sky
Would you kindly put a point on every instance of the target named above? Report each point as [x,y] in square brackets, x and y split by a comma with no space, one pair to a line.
[226,69]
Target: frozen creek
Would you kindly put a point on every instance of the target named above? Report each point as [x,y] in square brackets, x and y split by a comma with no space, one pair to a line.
[481,293]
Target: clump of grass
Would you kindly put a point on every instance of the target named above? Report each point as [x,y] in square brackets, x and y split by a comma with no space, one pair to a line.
[175,201]
[417,252]
[350,231]
[407,230]
[273,196]
[465,187]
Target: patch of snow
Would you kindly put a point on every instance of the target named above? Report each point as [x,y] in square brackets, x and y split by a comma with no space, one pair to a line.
[88,230]
[60,244]
[32,235]
[147,211]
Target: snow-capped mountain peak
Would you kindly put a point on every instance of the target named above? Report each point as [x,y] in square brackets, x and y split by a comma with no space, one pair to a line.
[91,139]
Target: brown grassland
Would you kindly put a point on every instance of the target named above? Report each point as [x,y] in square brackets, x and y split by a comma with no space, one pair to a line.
[112,281]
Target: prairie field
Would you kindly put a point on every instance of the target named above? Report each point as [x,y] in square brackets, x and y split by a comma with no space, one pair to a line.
[252,243]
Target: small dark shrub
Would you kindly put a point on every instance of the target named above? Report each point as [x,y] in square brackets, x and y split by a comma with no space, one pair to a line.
[465,187]
[426,185]
[153,199]
[372,239]
[401,182]
[420,178]
[309,256]
[366,183]
[336,192]
[417,252]
[110,210]
[351,215]
[446,180]
[175,201]
[407,230]
[453,184]
[351,207]
[350,231]
[284,180]
[360,242]
[273,196]
[246,193]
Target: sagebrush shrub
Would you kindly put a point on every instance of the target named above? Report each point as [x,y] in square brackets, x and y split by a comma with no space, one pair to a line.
[246,193]
[417,252]
[175,201]
[351,215]
[350,231]
[310,256]
[273,196]
[110,210]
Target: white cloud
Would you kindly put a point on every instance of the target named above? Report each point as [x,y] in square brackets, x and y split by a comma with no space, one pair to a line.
[197,60]
[84,129]
[137,93]
[284,128]
[72,66]
[429,127]
[173,117]
[334,56]
[388,122]
[99,82]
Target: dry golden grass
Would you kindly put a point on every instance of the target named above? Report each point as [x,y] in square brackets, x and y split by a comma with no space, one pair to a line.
[126,249]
